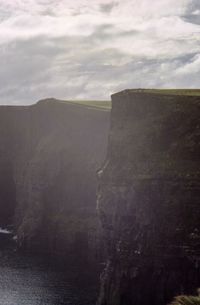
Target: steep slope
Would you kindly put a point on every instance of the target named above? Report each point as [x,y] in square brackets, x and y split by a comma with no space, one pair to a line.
[149,198]
[50,154]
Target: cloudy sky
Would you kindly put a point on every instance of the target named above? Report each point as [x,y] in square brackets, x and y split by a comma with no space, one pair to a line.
[91,48]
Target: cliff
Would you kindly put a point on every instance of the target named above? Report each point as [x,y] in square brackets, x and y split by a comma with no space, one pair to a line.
[49,155]
[148,198]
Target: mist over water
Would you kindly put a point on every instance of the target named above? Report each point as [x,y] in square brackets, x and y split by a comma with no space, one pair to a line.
[34,280]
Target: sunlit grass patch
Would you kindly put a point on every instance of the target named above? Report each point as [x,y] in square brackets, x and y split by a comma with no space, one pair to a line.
[106,105]
[186,300]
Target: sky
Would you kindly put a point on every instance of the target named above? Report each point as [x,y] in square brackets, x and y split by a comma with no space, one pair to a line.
[89,49]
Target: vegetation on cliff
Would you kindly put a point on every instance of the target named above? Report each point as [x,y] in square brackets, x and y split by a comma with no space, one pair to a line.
[106,105]
[186,300]
[181,92]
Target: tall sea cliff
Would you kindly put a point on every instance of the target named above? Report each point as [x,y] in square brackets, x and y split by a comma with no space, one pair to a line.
[149,199]
[49,156]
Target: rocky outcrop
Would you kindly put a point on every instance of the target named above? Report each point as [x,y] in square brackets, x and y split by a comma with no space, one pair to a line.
[50,153]
[148,199]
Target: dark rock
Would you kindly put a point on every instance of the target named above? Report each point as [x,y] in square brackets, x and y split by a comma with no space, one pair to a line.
[149,199]
[49,156]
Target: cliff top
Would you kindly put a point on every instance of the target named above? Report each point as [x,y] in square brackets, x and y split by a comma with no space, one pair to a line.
[177,92]
[95,104]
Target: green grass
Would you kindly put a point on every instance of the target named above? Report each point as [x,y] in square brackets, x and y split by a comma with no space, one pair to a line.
[186,300]
[101,105]
[186,92]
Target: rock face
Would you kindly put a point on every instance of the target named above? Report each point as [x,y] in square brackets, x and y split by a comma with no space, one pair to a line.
[49,156]
[149,199]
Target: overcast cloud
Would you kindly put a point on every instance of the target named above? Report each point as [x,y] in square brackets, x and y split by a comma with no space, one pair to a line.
[85,49]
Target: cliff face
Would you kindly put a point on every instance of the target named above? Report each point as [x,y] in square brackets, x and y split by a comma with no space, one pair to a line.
[148,199]
[13,132]
[50,153]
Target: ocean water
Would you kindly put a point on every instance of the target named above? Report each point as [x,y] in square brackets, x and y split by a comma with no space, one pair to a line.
[27,279]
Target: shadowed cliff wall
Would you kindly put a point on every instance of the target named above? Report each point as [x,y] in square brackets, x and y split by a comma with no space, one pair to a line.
[50,153]
[13,130]
[148,199]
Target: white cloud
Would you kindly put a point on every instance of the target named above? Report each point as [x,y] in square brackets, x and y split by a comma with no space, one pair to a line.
[91,48]
[191,67]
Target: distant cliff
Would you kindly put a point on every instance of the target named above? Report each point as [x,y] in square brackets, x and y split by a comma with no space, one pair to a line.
[149,199]
[49,154]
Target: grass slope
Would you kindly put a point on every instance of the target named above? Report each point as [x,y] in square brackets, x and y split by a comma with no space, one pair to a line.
[186,300]
[101,105]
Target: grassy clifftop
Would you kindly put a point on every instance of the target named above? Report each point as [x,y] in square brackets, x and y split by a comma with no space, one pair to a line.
[98,104]
[182,92]
[90,104]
